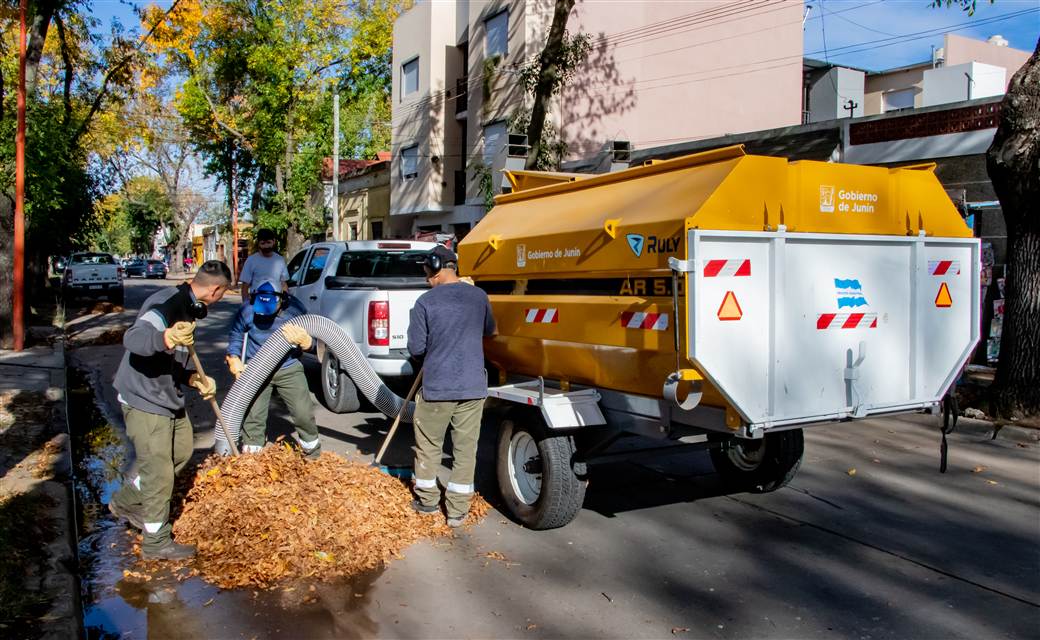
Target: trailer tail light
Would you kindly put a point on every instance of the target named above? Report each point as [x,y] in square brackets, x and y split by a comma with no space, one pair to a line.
[379,323]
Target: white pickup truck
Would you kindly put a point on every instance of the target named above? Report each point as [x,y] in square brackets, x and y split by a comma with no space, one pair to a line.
[368,288]
[92,275]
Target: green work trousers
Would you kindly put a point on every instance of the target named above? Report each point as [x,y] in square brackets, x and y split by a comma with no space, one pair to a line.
[291,384]
[431,423]
[162,446]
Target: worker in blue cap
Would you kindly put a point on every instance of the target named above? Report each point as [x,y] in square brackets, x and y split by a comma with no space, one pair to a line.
[269,310]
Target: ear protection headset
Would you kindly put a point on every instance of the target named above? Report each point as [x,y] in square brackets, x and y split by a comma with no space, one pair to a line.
[196,309]
[434,263]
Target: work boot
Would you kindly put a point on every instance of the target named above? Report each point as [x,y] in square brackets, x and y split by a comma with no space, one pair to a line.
[422,508]
[169,550]
[130,515]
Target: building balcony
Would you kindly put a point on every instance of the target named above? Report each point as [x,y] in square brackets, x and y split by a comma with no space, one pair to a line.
[461,94]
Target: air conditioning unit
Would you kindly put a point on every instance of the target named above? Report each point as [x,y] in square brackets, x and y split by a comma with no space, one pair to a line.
[620,154]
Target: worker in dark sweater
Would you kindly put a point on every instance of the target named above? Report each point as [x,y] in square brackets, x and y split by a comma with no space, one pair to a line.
[447,328]
[149,379]
[267,312]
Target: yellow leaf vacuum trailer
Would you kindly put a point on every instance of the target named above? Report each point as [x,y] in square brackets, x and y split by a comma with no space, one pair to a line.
[722,297]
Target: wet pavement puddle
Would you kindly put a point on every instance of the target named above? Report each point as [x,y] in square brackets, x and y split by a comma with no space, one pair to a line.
[124,599]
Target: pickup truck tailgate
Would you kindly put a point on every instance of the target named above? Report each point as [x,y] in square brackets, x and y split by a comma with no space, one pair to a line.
[401,303]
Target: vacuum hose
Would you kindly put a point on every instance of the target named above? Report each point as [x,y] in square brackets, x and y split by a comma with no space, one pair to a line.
[270,357]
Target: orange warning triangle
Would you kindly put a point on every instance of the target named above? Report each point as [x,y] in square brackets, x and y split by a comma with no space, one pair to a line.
[730,308]
[943,299]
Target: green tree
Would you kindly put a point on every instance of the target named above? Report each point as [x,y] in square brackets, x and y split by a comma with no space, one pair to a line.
[1012,162]
[543,79]
[73,77]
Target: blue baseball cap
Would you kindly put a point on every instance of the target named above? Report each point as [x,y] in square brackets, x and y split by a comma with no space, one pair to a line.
[266,299]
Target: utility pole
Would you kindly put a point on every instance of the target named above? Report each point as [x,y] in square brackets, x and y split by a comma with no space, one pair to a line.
[850,106]
[335,167]
[234,217]
[18,302]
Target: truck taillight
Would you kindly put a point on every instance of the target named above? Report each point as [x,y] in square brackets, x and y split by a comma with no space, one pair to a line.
[119,272]
[379,323]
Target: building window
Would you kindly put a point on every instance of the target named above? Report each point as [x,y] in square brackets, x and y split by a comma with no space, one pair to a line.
[494,138]
[409,77]
[898,100]
[410,161]
[497,28]
[377,229]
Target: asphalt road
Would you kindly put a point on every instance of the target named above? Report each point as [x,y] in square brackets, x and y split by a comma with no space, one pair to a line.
[869,541]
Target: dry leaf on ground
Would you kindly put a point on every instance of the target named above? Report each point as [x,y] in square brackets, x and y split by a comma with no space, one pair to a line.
[261,519]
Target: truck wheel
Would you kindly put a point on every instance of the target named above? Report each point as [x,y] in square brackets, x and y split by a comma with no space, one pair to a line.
[119,297]
[536,474]
[761,465]
[338,390]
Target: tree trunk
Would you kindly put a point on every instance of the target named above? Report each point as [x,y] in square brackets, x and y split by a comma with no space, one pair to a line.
[548,70]
[182,244]
[6,271]
[41,22]
[1013,164]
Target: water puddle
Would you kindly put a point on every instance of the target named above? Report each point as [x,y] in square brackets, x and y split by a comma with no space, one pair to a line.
[123,600]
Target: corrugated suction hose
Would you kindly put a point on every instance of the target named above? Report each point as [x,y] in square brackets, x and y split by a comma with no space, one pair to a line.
[274,350]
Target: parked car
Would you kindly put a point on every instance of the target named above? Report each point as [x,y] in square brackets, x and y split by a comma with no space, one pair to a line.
[368,288]
[134,268]
[146,269]
[154,269]
[92,275]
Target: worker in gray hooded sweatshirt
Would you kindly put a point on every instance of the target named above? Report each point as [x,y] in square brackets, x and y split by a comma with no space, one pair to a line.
[149,379]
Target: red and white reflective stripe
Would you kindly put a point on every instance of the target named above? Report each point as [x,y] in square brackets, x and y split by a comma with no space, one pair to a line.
[944,267]
[640,320]
[724,268]
[541,316]
[846,321]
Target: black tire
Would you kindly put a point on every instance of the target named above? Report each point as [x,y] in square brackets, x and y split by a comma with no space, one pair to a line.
[339,393]
[758,466]
[560,492]
[118,298]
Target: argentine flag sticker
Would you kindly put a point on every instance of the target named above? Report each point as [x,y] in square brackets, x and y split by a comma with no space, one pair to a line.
[850,293]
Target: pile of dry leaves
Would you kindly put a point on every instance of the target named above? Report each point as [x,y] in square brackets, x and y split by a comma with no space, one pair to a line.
[264,518]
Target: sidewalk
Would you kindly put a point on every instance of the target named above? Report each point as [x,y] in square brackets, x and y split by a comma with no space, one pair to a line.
[37,510]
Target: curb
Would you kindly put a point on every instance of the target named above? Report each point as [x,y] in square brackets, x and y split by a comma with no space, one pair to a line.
[991,431]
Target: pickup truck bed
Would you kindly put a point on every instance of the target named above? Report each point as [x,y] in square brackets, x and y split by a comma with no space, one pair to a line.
[368,288]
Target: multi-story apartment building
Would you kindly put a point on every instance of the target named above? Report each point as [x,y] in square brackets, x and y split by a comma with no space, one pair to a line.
[962,69]
[658,71]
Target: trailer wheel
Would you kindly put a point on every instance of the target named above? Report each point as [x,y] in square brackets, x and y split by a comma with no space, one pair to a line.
[337,389]
[537,476]
[759,466]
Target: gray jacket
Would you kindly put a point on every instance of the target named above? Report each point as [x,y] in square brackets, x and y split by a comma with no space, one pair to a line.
[150,375]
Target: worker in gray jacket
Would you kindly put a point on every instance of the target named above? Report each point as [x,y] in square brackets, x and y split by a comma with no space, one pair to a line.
[447,329]
[149,379]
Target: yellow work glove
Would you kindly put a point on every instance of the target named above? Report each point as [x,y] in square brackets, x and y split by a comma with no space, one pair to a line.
[295,334]
[235,365]
[181,334]
[206,386]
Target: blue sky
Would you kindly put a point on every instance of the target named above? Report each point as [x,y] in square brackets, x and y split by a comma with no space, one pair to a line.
[869,34]
[882,35]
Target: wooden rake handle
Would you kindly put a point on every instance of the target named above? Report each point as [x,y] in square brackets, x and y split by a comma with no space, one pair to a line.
[397,420]
[213,401]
